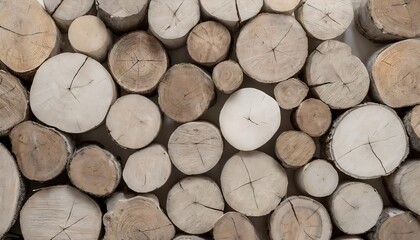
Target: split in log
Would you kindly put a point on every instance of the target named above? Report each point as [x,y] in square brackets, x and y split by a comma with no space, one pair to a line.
[313,117]
[412,125]
[283,6]
[294,148]
[65,11]
[233,225]
[227,76]
[290,93]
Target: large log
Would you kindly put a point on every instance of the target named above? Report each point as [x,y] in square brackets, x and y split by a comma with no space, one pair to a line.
[412,125]
[294,148]
[233,225]
[65,11]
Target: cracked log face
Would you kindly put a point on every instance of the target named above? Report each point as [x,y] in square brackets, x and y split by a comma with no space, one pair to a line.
[195,147]
[195,204]
[28,35]
[325,19]
[412,125]
[300,218]
[14,102]
[403,185]
[283,6]
[72,92]
[355,207]
[171,20]
[272,48]
[249,119]
[369,135]
[133,121]
[185,92]
[395,74]
[234,225]
[227,76]
[94,170]
[65,11]
[12,190]
[60,212]
[208,43]
[41,152]
[138,62]
[294,148]
[313,117]
[253,183]
[337,77]
[148,169]
[290,93]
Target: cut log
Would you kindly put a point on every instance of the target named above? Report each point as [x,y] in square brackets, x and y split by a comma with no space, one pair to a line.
[325,19]
[60,212]
[28,35]
[412,125]
[313,117]
[171,20]
[72,92]
[148,169]
[249,119]
[112,200]
[370,135]
[122,16]
[395,224]
[94,170]
[290,93]
[138,62]
[355,207]
[274,57]
[234,225]
[227,76]
[195,147]
[14,102]
[208,43]
[283,6]
[134,121]
[386,20]
[185,92]
[294,148]
[13,191]
[195,204]
[65,11]
[231,12]
[137,218]
[318,178]
[300,218]
[337,77]
[348,238]
[42,153]
[403,185]
[89,35]
[253,183]
[394,74]
[188,237]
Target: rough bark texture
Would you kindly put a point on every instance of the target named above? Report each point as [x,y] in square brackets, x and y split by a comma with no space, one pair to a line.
[294,148]
[412,125]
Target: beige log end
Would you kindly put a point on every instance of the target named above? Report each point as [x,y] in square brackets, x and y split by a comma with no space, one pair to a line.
[64,12]
[412,125]
[227,76]
[290,93]
[234,225]
[188,237]
[313,117]
[283,6]
[294,148]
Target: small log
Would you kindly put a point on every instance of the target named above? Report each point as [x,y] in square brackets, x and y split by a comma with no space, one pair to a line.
[115,197]
[412,125]
[94,170]
[185,92]
[313,117]
[179,17]
[249,119]
[325,19]
[188,237]
[274,57]
[318,178]
[290,93]
[355,207]
[13,191]
[253,183]
[284,6]
[65,11]
[337,77]
[294,148]
[89,35]
[42,153]
[386,20]
[137,218]
[72,92]
[195,204]
[122,16]
[370,135]
[27,37]
[227,76]
[403,185]
[348,238]
[148,169]
[208,43]
[138,62]
[300,218]
[14,102]
[233,225]
[195,147]
[60,212]
[394,74]
[133,121]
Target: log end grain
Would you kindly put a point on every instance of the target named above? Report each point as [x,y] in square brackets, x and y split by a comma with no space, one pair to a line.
[227,76]
[233,225]
[64,12]
[294,148]
[290,93]
[313,117]
[284,6]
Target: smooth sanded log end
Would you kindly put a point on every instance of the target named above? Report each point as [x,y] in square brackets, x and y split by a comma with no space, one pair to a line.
[290,93]
[412,125]
[234,225]
[284,6]
[294,148]
[227,76]
[313,117]
[64,12]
